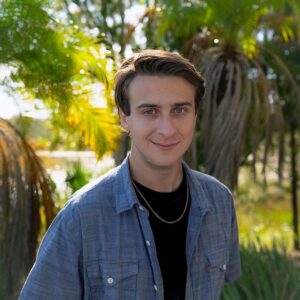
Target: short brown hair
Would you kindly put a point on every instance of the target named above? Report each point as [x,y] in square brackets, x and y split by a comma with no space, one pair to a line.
[155,62]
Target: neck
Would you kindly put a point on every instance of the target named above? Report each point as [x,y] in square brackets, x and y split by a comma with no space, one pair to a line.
[165,179]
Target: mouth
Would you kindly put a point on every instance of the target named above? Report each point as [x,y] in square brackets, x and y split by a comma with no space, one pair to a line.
[165,146]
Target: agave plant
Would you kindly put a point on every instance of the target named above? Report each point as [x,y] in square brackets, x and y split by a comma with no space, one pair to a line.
[267,274]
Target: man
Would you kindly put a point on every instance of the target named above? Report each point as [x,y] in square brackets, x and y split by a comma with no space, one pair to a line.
[151,228]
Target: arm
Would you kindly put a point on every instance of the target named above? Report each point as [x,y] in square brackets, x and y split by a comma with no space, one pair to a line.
[57,272]
[234,265]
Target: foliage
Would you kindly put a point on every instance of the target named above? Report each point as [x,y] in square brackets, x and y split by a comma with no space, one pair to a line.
[24,194]
[263,211]
[221,39]
[240,47]
[266,274]
[66,69]
[62,66]
[106,18]
[77,177]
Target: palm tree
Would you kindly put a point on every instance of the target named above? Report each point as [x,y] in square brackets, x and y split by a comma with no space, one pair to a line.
[222,39]
[24,195]
[234,44]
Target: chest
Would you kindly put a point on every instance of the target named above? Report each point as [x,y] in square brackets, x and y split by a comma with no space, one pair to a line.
[120,260]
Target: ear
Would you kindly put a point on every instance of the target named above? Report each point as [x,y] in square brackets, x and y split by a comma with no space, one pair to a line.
[124,120]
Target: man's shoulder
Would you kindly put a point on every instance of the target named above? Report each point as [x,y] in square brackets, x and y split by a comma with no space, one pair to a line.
[98,190]
[209,182]
[212,194]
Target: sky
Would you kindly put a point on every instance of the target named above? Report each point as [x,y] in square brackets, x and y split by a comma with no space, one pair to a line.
[14,105]
[8,107]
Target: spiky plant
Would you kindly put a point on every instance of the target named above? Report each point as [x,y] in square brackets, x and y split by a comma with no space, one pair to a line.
[24,196]
[267,273]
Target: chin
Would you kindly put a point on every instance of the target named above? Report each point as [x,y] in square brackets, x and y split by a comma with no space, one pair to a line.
[165,163]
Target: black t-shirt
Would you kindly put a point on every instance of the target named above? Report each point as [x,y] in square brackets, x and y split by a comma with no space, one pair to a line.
[169,238]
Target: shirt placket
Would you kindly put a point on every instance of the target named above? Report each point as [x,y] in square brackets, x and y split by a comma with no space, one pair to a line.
[194,228]
[149,243]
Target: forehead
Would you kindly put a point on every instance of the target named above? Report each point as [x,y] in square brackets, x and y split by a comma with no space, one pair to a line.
[160,89]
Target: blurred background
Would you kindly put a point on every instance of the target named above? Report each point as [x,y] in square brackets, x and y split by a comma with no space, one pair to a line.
[59,127]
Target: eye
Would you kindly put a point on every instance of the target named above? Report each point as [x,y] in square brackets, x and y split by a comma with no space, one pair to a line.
[179,110]
[150,112]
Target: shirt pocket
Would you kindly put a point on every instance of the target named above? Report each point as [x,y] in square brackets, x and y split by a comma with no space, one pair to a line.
[216,268]
[113,280]
[214,234]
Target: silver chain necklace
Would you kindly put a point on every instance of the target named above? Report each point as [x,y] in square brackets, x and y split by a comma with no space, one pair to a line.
[155,213]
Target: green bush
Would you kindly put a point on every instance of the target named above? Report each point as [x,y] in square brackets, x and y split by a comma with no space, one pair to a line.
[77,176]
[267,274]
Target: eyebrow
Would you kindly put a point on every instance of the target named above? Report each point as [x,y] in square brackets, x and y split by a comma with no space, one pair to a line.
[148,105]
[186,103]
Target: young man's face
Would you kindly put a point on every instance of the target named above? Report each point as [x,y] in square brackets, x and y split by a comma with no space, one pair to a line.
[162,119]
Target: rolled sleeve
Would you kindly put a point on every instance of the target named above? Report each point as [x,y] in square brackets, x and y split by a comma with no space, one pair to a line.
[56,273]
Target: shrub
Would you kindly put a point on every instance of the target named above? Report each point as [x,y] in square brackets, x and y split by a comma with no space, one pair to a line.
[77,176]
[267,274]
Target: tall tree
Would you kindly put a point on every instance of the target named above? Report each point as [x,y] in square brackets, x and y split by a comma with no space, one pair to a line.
[221,38]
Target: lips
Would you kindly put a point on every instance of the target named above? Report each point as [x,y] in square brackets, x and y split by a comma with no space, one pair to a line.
[165,146]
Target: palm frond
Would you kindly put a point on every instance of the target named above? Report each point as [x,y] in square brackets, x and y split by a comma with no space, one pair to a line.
[24,191]
[224,114]
[59,64]
[98,126]
[286,71]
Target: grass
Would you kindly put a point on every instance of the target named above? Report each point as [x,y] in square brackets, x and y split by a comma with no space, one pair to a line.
[264,212]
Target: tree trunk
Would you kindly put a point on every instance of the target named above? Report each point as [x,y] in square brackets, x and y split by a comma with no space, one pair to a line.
[294,187]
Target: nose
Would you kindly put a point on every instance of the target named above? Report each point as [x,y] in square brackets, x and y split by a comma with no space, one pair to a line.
[166,127]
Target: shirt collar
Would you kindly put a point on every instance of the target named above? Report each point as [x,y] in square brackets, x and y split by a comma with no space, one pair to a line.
[126,197]
[197,189]
[123,188]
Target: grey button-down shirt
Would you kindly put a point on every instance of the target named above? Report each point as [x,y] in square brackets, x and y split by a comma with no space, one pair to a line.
[100,245]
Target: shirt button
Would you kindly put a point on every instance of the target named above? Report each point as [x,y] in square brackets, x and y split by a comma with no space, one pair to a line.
[141,207]
[110,280]
[148,243]
[155,287]
[224,267]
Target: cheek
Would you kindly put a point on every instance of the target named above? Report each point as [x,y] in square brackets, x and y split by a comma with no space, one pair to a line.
[188,128]
[142,129]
